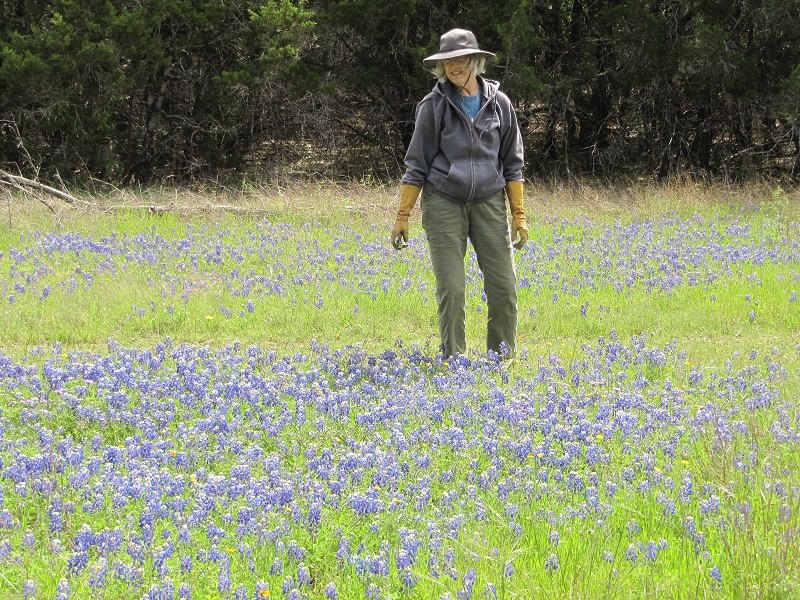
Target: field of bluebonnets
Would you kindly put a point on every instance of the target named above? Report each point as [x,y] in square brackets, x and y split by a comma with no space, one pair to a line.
[217,405]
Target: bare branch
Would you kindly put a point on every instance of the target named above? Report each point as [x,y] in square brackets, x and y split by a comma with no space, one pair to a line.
[19,187]
[19,181]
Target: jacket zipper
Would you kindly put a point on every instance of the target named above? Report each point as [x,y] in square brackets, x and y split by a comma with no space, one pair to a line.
[471,125]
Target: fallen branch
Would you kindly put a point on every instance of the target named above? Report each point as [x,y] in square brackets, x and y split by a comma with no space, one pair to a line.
[202,209]
[181,209]
[22,189]
[17,181]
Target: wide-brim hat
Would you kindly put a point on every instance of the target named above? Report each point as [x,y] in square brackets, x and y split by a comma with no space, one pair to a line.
[454,43]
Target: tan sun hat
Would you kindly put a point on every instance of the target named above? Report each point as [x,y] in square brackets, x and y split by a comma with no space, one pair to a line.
[456,42]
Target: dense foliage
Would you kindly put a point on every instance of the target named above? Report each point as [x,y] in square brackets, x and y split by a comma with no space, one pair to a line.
[135,91]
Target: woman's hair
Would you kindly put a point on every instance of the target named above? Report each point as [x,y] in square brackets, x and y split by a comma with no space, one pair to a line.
[477,62]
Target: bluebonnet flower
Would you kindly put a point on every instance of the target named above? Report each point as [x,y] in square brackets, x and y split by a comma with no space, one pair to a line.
[28,540]
[784,513]
[631,553]
[695,377]
[551,563]
[595,455]
[508,569]
[295,551]
[408,578]
[575,482]
[715,573]
[667,503]
[554,537]
[224,580]
[378,565]
[633,528]
[628,474]
[7,520]
[276,568]
[303,576]
[97,574]
[214,553]
[63,590]
[691,529]
[77,562]
[404,559]
[651,550]
[686,490]
[330,591]
[240,593]
[709,505]
[55,514]
[127,573]
[315,514]
[184,536]
[55,546]
[186,564]
[467,585]
[343,552]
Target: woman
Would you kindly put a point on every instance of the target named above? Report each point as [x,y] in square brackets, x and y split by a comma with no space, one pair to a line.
[466,158]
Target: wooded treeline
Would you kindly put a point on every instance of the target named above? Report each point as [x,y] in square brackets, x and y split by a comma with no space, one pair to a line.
[139,91]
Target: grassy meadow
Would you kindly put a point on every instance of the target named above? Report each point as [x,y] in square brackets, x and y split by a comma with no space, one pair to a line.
[237,395]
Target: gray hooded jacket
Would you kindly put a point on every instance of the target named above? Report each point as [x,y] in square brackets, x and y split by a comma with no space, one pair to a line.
[464,160]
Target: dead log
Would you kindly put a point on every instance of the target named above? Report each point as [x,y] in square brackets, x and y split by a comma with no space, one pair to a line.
[18,181]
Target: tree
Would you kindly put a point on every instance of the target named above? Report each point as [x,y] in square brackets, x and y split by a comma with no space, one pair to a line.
[135,90]
[139,91]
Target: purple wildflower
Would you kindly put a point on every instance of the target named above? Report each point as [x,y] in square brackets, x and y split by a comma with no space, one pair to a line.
[715,573]
[303,576]
[631,553]
[330,591]
[551,563]
[62,590]
[508,569]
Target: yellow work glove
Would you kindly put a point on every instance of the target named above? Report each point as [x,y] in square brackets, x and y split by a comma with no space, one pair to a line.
[408,198]
[519,224]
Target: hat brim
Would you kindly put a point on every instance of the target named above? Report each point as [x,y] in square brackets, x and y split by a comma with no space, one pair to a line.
[434,58]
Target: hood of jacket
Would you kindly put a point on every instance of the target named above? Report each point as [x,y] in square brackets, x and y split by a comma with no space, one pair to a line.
[488,87]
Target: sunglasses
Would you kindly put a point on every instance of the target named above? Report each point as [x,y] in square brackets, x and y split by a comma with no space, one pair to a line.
[458,61]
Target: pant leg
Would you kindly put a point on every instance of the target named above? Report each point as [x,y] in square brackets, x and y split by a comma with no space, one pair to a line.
[446,225]
[490,236]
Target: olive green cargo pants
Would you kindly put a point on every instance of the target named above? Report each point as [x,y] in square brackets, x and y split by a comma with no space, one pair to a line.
[448,226]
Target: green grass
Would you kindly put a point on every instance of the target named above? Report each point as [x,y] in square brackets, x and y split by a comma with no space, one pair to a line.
[309,279]
[88,315]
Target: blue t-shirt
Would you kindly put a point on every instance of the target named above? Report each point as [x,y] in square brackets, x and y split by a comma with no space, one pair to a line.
[471,105]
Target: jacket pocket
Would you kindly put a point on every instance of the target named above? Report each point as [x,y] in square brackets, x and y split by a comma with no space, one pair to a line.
[459,179]
[472,179]
[487,178]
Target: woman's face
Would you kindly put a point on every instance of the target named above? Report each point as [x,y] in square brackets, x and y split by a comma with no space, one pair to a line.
[458,70]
